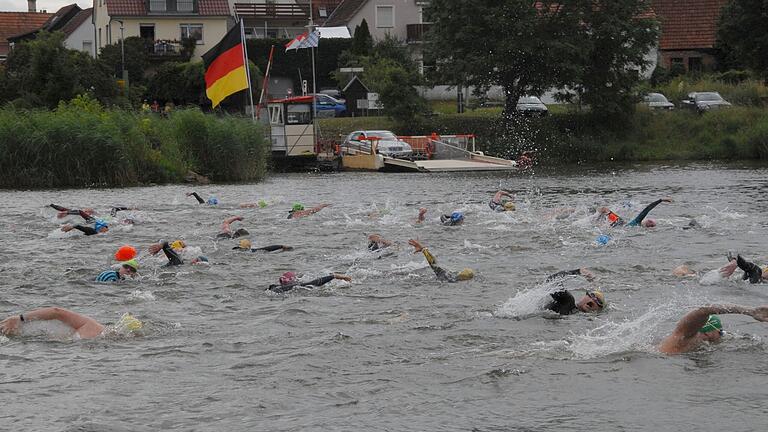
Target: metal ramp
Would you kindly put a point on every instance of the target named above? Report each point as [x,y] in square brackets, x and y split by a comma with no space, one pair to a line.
[480,163]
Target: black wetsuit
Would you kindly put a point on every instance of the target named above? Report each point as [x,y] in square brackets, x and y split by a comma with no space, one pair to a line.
[562,302]
[74,212]
[441,273]
[751,270]
[117,209]
[86,230]
[233,235]
[173,257]
[197,197]
[637,220]
[271,248]
[313,283]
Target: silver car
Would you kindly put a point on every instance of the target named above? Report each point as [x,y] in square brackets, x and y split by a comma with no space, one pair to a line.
[531,106]
[657,101]
[705,101]
[387,143]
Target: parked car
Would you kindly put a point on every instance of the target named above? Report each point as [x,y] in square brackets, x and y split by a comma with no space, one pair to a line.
[332,92]
[531,106]
[705,101]
[328,106]
[387,143]
[657,101]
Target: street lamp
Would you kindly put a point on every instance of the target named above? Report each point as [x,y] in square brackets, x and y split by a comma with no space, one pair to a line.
[122,56]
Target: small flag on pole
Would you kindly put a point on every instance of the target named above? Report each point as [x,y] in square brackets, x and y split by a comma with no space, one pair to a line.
[304,40]
[225,71]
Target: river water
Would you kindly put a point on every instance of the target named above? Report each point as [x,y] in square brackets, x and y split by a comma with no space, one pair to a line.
[395,349]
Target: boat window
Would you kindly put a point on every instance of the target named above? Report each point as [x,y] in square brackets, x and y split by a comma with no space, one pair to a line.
[299,114]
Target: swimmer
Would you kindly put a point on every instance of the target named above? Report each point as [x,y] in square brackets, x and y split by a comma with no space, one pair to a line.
[83,326]
[496,203]
[752,271]
[422,215]
[297,211]
[226,230]
[260,204]
[616,220]
[173,256]
[442,274]
[211,201]
[245,245]
[127,269]
[289,281]
[455,218]
[377,242]
[703,325]
[86,213]
[117,209]
[563,301]
[684,271]
[99,227]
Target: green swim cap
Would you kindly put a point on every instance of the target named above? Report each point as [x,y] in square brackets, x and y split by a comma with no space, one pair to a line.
[262,203]
[713,323]
[297,207]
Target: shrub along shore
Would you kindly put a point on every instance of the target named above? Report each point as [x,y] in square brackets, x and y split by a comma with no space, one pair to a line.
[734,133]
[81,144]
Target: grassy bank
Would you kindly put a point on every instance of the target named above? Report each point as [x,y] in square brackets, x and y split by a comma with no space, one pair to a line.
[737,133]
[80,144]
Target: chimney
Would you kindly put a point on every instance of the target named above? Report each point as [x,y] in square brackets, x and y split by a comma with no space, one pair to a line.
[32,5]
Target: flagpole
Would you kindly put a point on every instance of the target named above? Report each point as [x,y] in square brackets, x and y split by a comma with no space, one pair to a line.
[247,68]
[266,81]
[314,80]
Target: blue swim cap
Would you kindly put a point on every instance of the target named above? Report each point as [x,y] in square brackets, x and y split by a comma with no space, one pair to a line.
[100,224]
[603,239]
[457,216]
[213,201]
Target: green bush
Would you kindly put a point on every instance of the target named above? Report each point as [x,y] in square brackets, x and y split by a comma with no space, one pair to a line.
[80,144]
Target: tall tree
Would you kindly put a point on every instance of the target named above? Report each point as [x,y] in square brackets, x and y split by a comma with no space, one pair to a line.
[743,34]
[524,46]
[615,37]
[362,41]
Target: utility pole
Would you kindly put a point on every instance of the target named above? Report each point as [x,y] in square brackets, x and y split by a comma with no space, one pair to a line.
[122,57]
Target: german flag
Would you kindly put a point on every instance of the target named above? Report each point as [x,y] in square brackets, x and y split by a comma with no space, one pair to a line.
[225,71]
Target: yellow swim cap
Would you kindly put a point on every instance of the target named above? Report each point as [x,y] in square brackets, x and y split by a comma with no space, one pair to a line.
[465,274]
[509,206]
[129,322]
[178,244]
[245,244]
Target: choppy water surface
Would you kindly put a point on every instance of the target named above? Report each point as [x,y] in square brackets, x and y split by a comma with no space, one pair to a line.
[396,349]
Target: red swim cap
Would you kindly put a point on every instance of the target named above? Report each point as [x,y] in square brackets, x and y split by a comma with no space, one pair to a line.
[125,253]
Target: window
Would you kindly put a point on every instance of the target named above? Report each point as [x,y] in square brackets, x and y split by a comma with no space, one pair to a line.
[147,31]
[88,47]
[323,12]
[192,31]
[100,44]
[695,64]
[185,5]
[157,6]
[676,60]
[298,114]
[385,16]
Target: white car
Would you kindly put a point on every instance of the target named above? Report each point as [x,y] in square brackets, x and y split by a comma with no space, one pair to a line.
[387,143]
[657,101]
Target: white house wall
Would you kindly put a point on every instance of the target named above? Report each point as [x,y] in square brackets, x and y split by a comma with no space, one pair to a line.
[406,12]
[84,33]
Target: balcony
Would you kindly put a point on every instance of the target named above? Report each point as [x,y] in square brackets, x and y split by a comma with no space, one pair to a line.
[415,32]
[165,49]
[267,9]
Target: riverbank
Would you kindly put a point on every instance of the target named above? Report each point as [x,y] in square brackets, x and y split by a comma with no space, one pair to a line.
[735,133]
[80,144]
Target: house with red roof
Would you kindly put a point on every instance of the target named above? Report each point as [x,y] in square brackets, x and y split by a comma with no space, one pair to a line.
[281,18]
[164,22]
[688,32]
[71,20]
[16,23]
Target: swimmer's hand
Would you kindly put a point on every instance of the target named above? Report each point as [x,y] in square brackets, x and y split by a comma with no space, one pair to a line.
[342,277]
[587,274]
[155,248]
[10,326]
[760,313]
[67,228]
[666,200]
[417,247]
[422,213]
[727,270]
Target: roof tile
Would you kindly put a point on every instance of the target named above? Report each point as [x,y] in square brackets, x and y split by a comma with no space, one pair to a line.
[14,23]
[688,24]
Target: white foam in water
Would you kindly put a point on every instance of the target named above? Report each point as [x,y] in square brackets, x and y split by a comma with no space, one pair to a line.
[528,302]
[53,329]
[639,334]
[3,339]
[142,295]
[470,245]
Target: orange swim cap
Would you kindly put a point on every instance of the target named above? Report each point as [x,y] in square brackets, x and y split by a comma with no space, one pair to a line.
[125,253]
[612,217]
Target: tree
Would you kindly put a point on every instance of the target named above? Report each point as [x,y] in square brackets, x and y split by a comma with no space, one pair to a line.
[362,42]
[136,58]
[524,46]
[742,35]
[615,36]
[42,72]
